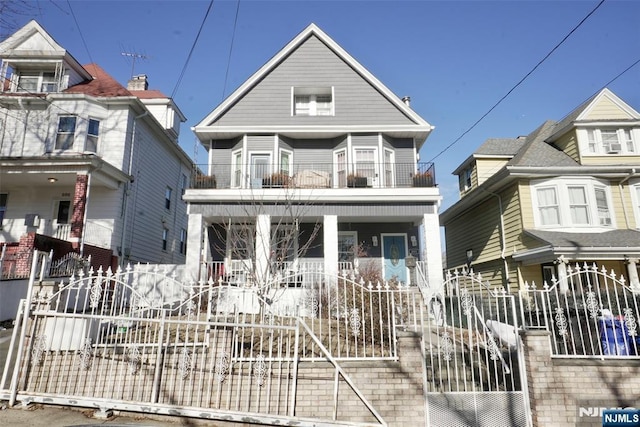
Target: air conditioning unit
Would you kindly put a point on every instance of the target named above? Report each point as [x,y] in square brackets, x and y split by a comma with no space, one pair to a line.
[614,148]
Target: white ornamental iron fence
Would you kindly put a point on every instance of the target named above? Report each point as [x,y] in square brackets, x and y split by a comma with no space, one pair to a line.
[471,342]
[140,336]
[592,312]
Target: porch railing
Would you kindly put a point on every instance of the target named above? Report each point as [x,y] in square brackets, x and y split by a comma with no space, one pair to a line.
[591,312]
[314,175]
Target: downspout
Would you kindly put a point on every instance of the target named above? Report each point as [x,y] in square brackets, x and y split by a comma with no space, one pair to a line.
[503,243]
[84,219]
[127,190]
[632,173]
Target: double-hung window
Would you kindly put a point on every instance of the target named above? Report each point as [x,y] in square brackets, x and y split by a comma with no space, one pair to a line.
[93,131]
[167,197]
[347,246]
[570,203]
[548,206]
[611,141]
[66,132]
[578,205]
[165,239]
[313,101]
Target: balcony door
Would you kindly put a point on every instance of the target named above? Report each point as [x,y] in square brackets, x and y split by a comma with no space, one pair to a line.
[366,164]
[260,164]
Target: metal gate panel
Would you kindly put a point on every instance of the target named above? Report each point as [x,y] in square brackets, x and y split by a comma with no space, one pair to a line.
[473,356]
[143,341]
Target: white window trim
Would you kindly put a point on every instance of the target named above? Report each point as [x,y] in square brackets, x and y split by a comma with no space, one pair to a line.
[375,180]
[282,151]
[561,186]
[347,171]
[250,164]
[583,138]
[88,134]
[313,92]
[634,187]
[392,165]
[236,181]
[353,234]
[57,133]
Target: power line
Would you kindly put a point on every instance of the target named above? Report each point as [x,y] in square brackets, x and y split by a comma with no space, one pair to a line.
[193,46]
[519,83]
[233,37]
[80,32]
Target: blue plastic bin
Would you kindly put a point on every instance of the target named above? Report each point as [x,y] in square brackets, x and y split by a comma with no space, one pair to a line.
[614,336]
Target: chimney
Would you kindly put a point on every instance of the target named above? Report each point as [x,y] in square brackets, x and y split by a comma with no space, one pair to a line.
[138,82]
[407,100]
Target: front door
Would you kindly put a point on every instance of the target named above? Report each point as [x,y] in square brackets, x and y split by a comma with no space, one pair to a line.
[394,249]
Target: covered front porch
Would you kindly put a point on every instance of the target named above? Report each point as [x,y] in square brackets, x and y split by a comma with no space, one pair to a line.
[248,245]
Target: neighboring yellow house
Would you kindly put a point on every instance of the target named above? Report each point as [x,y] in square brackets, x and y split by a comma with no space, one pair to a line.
[569,192]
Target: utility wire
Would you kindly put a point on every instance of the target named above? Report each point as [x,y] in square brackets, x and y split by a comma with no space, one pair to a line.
[233,37]
[519,83]
[80,32]
[193,46]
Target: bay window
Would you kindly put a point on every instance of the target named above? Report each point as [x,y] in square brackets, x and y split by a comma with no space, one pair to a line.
[571,203]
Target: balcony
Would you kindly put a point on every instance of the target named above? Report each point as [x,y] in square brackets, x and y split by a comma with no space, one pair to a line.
[315,175]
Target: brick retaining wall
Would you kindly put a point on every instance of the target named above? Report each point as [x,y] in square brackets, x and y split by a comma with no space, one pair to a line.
[559,386]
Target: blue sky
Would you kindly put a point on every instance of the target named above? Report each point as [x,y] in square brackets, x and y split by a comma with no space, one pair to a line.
[455,59]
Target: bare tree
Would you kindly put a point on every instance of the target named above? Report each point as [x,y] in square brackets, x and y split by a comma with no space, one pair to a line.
[291,236]
[10,13]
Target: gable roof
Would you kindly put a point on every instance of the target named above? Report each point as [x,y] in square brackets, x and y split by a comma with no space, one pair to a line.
[32,37]
[537,152]
[581,112]
[312,30]
[102,84]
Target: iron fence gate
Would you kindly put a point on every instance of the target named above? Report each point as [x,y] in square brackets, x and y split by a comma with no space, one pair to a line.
[140,340]
[474,367]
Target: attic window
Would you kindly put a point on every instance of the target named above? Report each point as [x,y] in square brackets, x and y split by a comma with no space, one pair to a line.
[313,101]
[611,141]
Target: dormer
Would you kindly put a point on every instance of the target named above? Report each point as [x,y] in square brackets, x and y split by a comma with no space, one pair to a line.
[161,107]
[603,130]
[32,62]
[489,158]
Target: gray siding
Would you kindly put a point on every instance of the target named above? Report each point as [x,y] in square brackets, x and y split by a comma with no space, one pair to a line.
[260,143]
[367,140]
[313,64]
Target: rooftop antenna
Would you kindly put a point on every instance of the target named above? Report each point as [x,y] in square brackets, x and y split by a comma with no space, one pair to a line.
[134,56]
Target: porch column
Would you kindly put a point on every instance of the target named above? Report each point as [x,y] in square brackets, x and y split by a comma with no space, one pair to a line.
[432,251]
[193,261]
[79,207]
[263,248]
[632,274]
[562,275]
[330,234]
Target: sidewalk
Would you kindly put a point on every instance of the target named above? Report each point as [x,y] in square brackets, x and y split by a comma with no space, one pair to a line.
[55,416]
